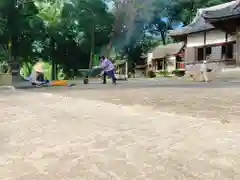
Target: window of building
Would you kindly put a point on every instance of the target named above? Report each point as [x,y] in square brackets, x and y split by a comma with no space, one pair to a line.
[208,51]
[224,51]
[159,65]
[228,51]
[200,54]
[178,58]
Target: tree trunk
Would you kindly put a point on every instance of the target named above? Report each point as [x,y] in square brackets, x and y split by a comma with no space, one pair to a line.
[115,32]
[109,48]
[15,70]
[92,47]
[192,11]
[53,70]
[52,44]
[163,36]
[9,54]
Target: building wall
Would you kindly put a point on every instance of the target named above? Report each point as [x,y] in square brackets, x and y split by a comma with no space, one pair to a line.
[216,53]
[171,63]
[215,37]
[149,58]
[212,37]
[198,40]
[237,45]
[232,37]
[195,39]
[190,55]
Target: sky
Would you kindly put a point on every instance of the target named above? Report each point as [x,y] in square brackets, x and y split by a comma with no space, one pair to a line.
[110,5]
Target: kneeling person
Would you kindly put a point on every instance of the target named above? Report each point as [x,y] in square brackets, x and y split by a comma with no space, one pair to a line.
[39,69]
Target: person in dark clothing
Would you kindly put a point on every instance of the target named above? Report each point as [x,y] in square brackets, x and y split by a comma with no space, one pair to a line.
[40,76]
[134,69]
[108,70]
[109,74]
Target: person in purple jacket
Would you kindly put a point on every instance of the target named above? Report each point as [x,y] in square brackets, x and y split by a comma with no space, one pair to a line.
[108,69]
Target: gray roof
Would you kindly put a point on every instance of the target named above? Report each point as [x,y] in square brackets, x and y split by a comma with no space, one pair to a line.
[145,55]
[169,49]
[199,23]
[231,10]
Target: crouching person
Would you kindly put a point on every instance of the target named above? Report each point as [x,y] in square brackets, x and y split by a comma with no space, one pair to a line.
[108,70]
[39,70]
[37,75]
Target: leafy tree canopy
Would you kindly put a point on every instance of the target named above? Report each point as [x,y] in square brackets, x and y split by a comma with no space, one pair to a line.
[69,32]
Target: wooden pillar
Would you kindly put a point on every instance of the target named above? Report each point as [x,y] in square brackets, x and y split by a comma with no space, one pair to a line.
[156,63]
[126,70]
[204,53]
[152,66]
[176,63]
[238,46]
[164,65]
[204,48]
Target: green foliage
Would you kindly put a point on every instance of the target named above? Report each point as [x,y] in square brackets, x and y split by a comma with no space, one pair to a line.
[164,73]
[166,16]
[50,11]
[65,33]
[179,73]
[26,70]
[151,74]
[55,30]
[184,10]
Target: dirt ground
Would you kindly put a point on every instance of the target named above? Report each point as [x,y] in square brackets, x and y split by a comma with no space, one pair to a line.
[213,103]
[119,133]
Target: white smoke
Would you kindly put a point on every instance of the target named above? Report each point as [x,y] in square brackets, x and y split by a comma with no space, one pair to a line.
[131,15]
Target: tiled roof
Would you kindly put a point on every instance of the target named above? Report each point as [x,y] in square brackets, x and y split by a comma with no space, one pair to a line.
[199,23]
[169,49]
[232,10]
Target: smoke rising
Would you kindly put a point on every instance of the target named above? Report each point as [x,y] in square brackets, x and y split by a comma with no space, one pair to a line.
[131,16]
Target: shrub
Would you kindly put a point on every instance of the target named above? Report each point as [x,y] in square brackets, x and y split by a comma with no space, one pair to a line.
[151,74]
[164,73]
[179,73]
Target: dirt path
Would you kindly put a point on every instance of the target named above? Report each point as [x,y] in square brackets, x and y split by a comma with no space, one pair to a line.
[214,103]
[57,138]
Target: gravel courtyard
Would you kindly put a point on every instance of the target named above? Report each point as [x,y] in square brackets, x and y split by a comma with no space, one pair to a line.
[117,133]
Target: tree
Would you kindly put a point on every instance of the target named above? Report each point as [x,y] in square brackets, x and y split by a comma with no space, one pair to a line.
[97,20]
[135,50]
[160,27]
[65,27]
[15,27]
[130,19]
[69,33]
[51,12]
[184,11]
